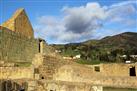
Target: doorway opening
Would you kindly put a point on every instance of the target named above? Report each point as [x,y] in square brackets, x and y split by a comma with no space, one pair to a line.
[22,90]
[40,45]
[132,71]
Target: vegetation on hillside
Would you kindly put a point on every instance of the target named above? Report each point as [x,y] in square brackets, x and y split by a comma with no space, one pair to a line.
[108,49]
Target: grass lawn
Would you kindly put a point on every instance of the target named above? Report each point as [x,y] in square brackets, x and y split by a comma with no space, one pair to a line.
[81,61]
[118,89]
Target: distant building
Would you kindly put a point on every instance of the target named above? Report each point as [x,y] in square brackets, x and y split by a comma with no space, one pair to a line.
[68,58]
[133,56]
[128,61]
[123,56]
[73,57]
[58,51]
[77,56]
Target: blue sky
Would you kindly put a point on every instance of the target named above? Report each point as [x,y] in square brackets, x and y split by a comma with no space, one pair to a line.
[65,21]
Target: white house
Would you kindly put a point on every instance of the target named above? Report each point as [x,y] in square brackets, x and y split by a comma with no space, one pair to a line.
[58,51]
[133,56]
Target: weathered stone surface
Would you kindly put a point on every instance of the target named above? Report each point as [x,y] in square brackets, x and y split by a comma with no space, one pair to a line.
[114,69]
[50,85]
[75,73]
[15,47]
[38,60]
[16,72]
[51,63]
[10,85]
[20,23]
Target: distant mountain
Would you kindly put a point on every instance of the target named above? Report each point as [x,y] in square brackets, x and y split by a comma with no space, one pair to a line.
[125,40]
[109,47]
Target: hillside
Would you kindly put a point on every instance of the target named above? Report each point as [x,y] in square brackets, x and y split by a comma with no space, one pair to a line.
[125,40]
[108,49]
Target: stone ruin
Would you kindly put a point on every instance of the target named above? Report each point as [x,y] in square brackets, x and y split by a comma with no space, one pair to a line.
[29,64]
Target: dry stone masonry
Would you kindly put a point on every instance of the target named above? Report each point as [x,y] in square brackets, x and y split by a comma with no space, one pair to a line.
[17,47]
[20,23]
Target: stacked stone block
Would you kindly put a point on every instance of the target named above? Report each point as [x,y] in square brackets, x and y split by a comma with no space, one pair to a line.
[16,47]
[50,66]
[20,23]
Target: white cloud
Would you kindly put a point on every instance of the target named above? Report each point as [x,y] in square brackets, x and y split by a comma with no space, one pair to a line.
[119,14]
[81,23]
[123,3]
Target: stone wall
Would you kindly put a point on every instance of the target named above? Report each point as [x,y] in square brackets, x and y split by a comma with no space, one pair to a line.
[16,47]
[51,63]
[77,72]
[114,69]
[16,73]
[17,43]
[45,48]
[120,69]
[48,49]
[12,85]
[66,86]
[20,23]
[73,73]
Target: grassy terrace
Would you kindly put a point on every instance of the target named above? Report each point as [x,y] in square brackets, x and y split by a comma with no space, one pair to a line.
[23,64]
[118,89]
[81,61]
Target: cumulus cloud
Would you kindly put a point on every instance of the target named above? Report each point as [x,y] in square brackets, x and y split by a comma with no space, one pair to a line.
[83,19]
[82,23]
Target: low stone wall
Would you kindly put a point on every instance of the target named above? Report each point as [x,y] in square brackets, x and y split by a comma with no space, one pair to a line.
[66,86]
[120,69]
[16,73]
[73,73]
[114,69]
